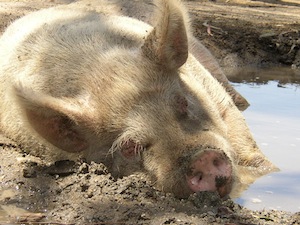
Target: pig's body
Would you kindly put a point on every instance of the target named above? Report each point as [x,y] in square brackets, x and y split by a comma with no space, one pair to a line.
[80,83]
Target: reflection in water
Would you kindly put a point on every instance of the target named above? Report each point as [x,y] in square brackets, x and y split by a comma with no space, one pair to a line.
[274,119]
[263,76]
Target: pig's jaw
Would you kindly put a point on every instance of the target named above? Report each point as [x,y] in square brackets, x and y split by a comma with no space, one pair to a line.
[210,171]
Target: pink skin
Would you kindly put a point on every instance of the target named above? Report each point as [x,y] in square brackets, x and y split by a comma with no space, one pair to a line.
[210,171]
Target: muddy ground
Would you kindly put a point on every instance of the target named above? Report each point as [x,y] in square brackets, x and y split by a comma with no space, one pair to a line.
[239,33]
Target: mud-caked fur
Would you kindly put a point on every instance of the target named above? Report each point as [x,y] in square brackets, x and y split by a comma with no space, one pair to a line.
[114,89]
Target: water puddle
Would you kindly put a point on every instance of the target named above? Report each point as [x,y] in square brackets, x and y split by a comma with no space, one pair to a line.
[274,120]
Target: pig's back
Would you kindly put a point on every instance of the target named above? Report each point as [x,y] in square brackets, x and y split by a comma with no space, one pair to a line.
[64,42]
[63,23]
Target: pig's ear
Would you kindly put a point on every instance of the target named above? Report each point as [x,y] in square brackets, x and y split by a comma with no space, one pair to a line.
[167,44]
[58,121]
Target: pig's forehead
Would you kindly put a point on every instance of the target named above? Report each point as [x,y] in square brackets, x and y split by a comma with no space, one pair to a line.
[128,26]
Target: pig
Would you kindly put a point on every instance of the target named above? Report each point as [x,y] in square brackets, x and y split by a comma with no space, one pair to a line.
[113,89]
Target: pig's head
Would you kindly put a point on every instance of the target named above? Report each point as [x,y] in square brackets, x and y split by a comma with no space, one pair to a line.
[176,131]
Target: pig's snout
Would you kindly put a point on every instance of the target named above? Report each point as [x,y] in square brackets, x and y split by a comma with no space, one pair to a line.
[210,171]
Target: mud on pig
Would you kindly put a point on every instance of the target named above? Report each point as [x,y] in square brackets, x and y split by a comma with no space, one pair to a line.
[114,89]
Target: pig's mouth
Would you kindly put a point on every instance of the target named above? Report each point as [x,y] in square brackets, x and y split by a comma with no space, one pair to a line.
[210,171]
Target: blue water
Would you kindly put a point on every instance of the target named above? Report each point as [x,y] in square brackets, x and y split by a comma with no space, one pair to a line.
[274,120]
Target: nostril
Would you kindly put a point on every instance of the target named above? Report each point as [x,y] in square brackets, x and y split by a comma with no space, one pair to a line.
[216,162]
[196,179]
